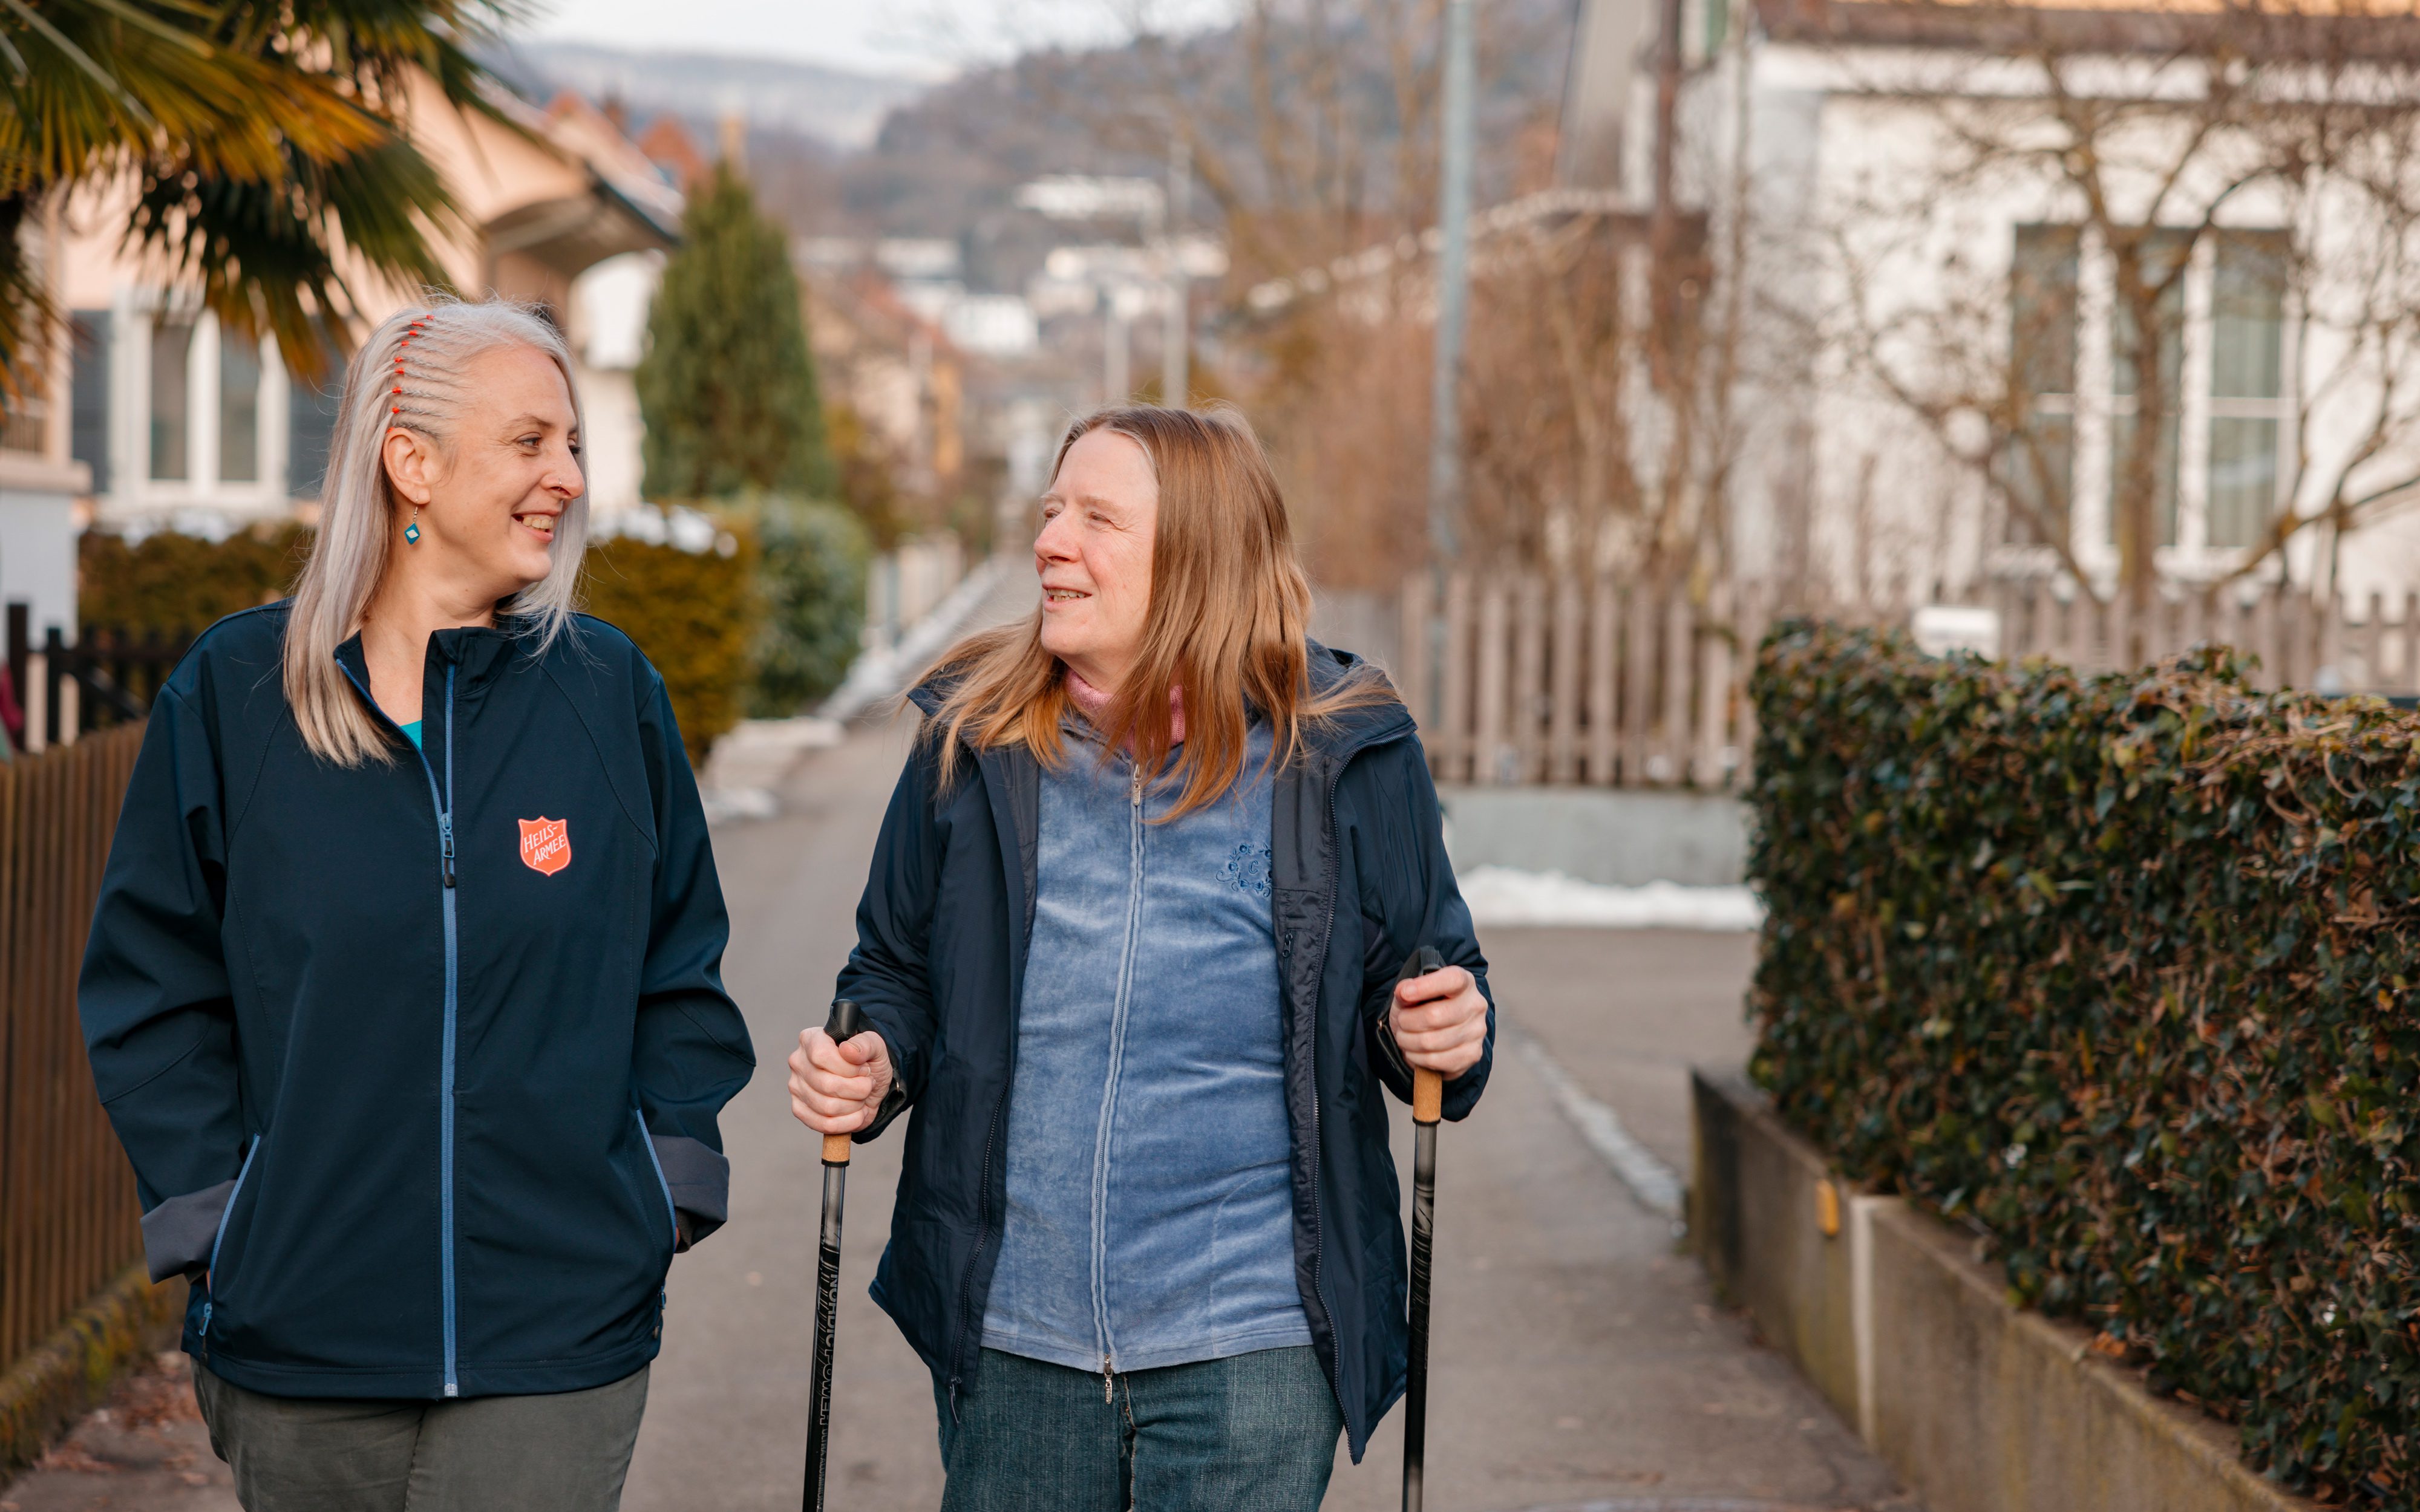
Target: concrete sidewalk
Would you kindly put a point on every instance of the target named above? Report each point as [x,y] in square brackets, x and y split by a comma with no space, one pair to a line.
[1580,1362]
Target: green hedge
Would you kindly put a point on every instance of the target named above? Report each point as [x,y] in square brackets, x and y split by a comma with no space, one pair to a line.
[2118,973]
[811,572]
[694,613]
[170,582]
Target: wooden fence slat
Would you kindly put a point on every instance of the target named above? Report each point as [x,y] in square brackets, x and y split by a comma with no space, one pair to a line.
[1637,685]
[2259,636]
[2373,646]
[1413,656]
[1706,768]
[1603,705]
[2410,638]
[1528,734]
[1455,726]
[1563,743]
[1755,612]
[1680,662]
[1495,654]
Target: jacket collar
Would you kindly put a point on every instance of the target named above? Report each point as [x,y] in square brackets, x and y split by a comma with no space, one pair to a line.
[477,653]
[1331,739]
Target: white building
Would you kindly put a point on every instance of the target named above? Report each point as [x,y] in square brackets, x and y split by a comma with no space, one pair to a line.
[1933,363]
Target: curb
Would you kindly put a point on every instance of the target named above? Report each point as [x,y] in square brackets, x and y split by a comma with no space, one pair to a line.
[1978,1404]
[62,1378]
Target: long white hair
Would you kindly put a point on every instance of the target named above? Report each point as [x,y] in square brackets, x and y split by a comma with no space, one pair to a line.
[408,376]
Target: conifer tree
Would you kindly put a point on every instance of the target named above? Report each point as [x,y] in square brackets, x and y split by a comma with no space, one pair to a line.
[727,387]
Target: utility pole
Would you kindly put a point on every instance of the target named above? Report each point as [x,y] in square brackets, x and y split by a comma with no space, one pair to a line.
[1453,286]
[1452,313]
[1174,379]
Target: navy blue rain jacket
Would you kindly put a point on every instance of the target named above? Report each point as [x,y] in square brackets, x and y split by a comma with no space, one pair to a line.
[1358,879]
[422,1060]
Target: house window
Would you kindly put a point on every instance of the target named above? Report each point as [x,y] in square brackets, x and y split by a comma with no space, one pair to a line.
[25,417]
[2039,462]
[2132,352]
[311,422]
[2247,413]
[172,345]
[2219,344]
[88,417]
[239,408]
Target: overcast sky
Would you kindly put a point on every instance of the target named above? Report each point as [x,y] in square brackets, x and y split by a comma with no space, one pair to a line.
[919,38]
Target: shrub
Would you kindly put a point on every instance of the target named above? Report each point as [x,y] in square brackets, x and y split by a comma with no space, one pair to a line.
[694,614]
[2118,972]
[811,577]
[728,383]
[170,582]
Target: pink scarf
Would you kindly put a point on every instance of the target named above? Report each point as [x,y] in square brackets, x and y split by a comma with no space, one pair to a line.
[1095,704]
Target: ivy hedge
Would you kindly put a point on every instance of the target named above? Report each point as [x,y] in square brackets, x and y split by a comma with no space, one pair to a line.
[2118,972]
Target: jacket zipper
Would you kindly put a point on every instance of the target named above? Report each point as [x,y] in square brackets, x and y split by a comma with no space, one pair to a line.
[1109,1089]
[210,1299]
[444,805]
[453,1006]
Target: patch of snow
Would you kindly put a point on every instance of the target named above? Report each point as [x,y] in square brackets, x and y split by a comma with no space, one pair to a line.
[725,806]
[1501,895]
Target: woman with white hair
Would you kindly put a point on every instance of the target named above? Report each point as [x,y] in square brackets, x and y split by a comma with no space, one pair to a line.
[404,987]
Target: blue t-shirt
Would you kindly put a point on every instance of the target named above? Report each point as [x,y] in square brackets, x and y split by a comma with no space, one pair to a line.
[412,732]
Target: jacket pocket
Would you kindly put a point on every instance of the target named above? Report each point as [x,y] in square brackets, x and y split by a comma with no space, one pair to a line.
[655,1163]
[214,1281]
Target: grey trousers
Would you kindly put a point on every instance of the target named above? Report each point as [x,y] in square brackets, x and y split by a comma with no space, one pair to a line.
[562,1453]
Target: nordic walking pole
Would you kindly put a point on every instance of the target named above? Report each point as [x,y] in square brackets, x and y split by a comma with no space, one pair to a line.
[845,1023]
[1428,1105]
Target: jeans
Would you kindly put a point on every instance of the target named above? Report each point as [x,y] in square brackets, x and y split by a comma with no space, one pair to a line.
[1249,1433]
[566,1452]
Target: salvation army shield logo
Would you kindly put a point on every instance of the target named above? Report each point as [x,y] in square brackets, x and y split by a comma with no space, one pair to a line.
[546,845]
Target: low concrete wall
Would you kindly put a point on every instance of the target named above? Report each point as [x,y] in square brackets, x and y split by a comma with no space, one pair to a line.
[1607,835]
[43,1392]
[1978,1406]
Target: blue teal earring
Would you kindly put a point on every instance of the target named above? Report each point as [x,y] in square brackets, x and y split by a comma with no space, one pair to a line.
[411,531]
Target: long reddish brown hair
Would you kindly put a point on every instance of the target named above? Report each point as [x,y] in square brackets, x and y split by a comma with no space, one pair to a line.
[1228,622]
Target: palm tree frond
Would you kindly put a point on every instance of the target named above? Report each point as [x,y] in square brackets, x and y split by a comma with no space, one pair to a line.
[262,254]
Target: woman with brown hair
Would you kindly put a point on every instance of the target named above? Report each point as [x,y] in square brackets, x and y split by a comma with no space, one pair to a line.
[1130,949]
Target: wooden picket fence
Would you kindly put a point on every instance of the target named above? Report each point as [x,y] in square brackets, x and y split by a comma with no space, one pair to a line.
[1555,680]
[2371,645]
[1607,684]
[69,1222]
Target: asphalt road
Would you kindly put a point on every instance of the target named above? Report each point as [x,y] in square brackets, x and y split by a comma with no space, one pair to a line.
[1580,1362]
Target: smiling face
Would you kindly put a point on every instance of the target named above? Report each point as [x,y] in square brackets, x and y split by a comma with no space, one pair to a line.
[489,499]
[1093,554]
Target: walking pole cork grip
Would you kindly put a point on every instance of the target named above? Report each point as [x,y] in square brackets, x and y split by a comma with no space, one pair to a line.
[845,1023]
[1428,1106]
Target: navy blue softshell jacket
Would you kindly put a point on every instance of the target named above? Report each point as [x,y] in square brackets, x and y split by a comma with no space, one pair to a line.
[1358,880]
[419,1076]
